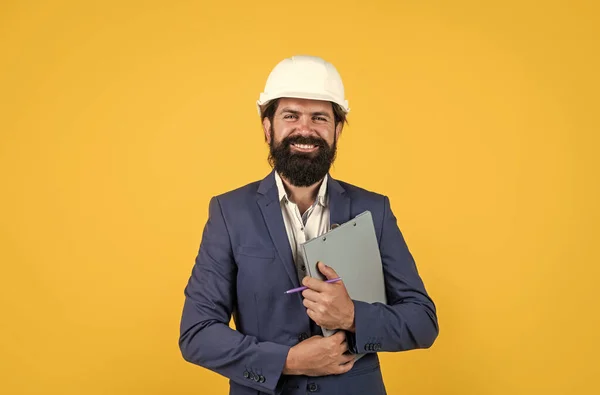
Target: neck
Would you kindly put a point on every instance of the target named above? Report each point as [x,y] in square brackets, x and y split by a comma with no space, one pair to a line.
[303,197]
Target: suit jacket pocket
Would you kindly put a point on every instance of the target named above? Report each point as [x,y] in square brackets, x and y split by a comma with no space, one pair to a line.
[371,367]
[367,380]
[256,251]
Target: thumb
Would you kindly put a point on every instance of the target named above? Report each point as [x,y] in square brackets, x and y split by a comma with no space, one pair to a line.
[327,271]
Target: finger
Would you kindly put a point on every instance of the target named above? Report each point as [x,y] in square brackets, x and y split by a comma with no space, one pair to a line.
[311,295]
[343,347]
[309,304]
[346,366]
[346,358]
[339,337]
[313,316]
[327,271]
[315,284]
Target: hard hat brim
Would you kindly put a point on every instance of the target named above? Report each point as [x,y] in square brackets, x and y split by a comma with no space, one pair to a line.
[264,99]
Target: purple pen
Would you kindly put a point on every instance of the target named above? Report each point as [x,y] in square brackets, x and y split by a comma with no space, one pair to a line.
[293,290]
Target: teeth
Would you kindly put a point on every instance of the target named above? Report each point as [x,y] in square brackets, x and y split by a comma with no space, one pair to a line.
[304,146]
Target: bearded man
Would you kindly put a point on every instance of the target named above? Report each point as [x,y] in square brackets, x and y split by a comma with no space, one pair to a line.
[249,256]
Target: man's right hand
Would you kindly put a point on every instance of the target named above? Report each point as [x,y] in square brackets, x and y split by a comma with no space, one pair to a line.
[319,356]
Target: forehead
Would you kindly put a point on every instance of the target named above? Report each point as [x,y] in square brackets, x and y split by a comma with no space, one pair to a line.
[304,105]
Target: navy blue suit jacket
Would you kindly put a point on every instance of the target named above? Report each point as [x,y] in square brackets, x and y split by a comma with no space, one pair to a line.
[245,264]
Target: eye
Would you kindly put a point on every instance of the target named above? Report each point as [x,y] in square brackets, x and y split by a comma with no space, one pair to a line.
[289,116]
[322,119]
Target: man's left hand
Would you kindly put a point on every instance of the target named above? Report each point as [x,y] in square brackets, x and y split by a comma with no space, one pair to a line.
[328,304]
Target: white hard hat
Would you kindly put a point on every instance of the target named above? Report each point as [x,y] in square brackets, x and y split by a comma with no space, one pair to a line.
[304,77]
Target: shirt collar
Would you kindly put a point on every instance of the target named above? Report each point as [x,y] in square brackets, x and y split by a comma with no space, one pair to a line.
[321,195]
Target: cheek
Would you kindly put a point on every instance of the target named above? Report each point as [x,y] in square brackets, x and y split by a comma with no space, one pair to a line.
[327,135]
[281,133]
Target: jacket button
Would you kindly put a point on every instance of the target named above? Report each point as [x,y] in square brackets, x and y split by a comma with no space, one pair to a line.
[312,387]
[261,379]
[246,374]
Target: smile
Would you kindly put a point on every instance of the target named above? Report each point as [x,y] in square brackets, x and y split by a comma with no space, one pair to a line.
[305,147]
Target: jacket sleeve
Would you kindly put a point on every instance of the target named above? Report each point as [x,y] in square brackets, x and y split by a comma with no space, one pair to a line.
[210,297]
[408,321]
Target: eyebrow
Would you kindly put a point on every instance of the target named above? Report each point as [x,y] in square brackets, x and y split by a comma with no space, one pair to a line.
[296,112]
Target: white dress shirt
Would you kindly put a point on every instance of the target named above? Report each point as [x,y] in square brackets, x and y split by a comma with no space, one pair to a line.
[301,228]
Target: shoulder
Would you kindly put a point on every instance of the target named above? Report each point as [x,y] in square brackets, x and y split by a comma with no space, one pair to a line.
[356,192]
[237,195]
[364,199]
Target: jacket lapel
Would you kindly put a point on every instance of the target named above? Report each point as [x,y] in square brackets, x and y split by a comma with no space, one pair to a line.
[339,202]
[268,202]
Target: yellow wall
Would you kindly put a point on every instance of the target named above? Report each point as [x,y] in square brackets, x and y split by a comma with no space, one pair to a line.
[119,122]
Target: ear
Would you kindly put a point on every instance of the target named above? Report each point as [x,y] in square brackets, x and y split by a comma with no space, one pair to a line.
[266,129]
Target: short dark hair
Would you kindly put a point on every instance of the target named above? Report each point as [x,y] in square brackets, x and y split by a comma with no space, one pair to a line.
[268,111]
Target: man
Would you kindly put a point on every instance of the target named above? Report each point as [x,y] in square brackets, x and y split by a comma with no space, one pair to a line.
[248,258]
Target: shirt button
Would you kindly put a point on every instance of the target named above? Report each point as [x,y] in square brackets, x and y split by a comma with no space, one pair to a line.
[312,387]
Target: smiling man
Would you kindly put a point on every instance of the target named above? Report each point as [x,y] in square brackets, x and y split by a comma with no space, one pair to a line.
[249,256]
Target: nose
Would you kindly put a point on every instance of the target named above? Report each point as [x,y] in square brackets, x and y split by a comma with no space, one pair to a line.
[304,125]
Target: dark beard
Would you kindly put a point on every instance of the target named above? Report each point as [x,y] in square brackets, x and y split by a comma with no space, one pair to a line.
[302,169]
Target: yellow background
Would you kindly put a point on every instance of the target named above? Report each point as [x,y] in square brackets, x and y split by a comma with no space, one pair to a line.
[119,120]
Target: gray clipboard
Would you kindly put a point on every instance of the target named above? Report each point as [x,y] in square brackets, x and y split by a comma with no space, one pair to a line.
[351,249]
